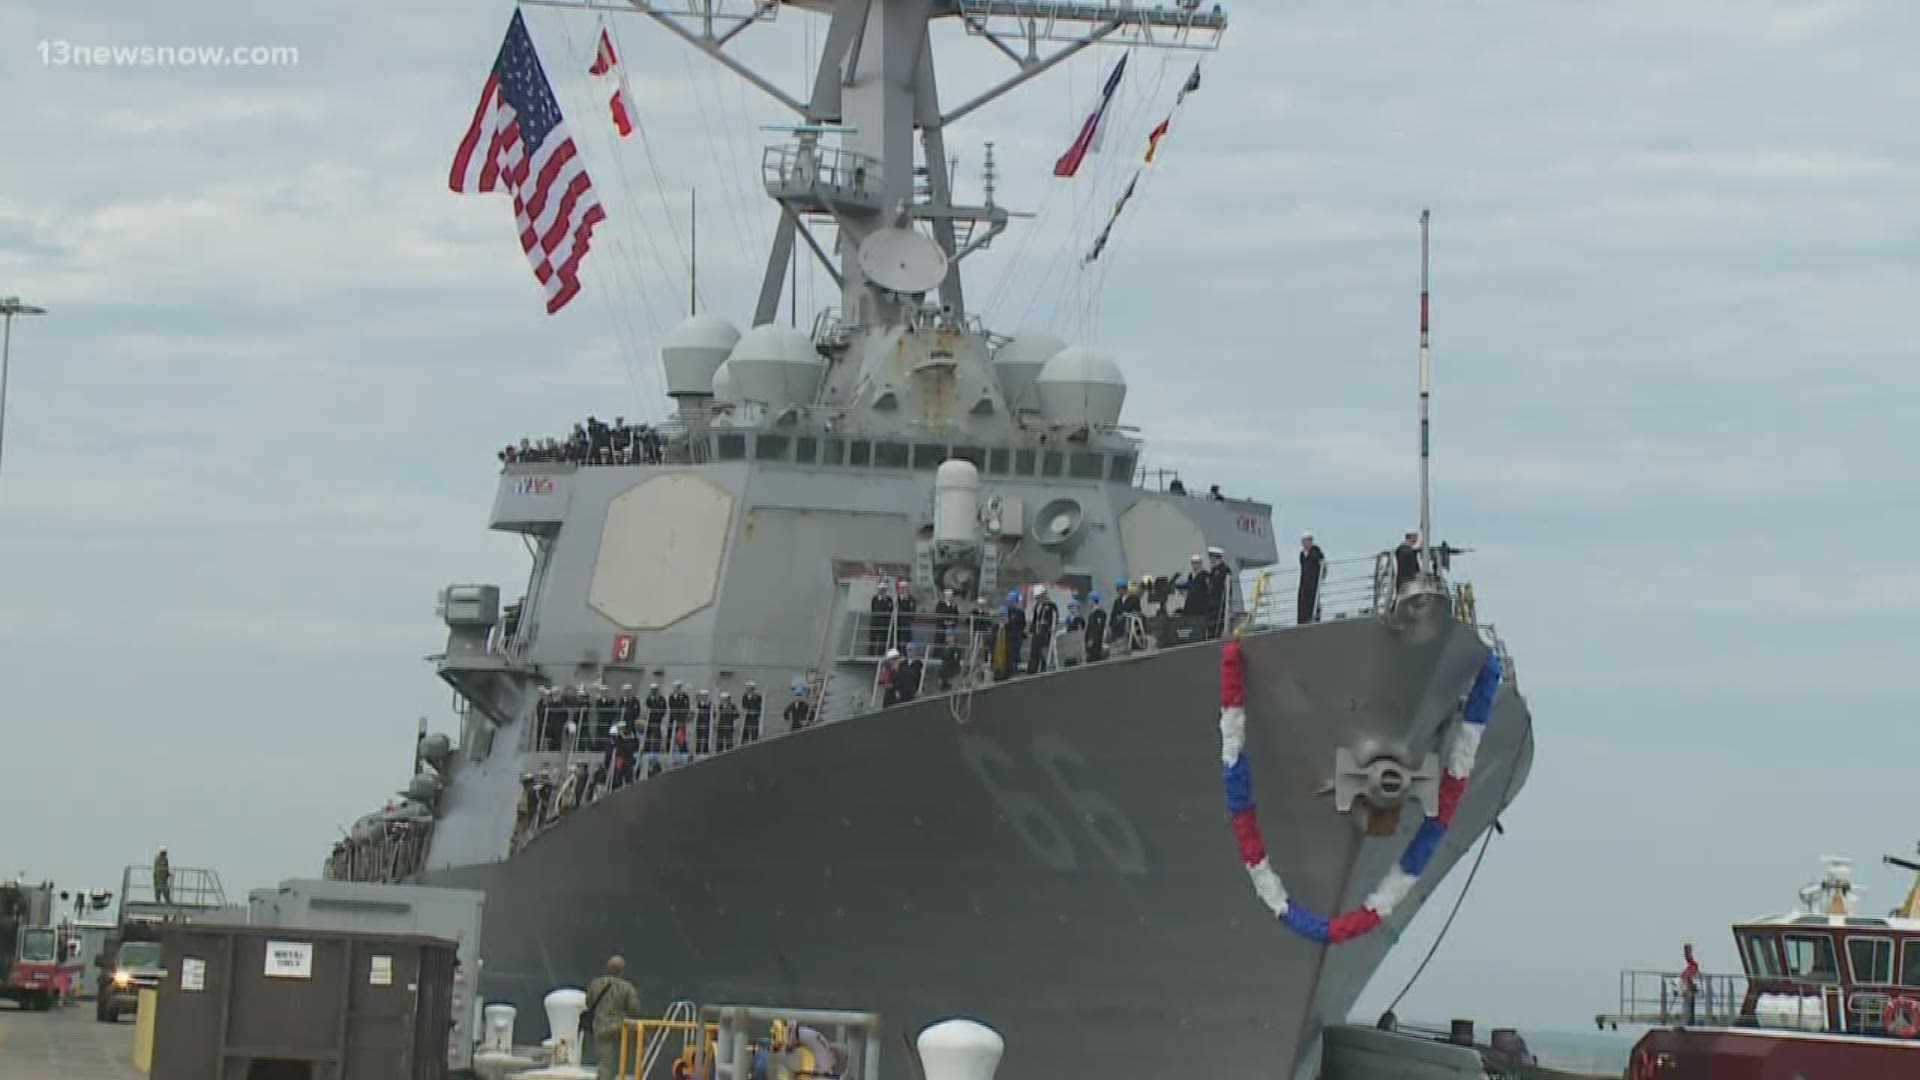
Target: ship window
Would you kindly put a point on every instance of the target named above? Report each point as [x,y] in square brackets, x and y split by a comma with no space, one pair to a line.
[806,449]
[860,453]
[770,448]
[1811,958]
[1050,463]
[928,456]
[1023,462]
[832,451]
[731,447]
[890,455]
[1910,963]
[997,462]
[1871,959]
[972,453]
[1120,468]
[1762,961]
[1084,465]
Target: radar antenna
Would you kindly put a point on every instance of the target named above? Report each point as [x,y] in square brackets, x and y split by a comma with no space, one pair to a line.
[875,74]
[1910,909]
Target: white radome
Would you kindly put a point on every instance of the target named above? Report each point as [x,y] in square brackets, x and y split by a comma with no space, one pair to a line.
[956,501]
[776,366]
[692,352]
[1082,385]
[1018,364]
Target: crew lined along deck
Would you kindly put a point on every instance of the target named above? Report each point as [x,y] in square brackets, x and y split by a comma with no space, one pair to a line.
[585,741]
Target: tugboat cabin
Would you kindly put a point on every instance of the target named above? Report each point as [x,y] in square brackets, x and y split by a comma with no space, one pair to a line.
[1832,972]
[1822,968]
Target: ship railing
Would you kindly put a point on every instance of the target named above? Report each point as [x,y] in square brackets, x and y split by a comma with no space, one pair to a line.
[1183,24]
[395,853]
[807,168]
[971,646]
[1865,1012]
[865,638]
[1662,998]
[1348,588]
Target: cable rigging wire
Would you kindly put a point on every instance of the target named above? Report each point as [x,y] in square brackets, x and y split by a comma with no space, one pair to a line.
[641,125]
[623,260]
[1526,743]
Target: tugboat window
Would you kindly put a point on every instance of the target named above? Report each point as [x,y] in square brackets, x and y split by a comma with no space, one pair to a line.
[1762,961]
[770,448]
[890,455]
[806,449]
[1871,959]
[928,456]
[1023,462]
[1084,465]
[1910,963]
[1050,463]
[731,447]
[1812,958]
[860,453]
[1120,469]
[997,462]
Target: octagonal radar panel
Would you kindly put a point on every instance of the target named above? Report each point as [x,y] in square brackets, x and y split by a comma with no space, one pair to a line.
[903,261]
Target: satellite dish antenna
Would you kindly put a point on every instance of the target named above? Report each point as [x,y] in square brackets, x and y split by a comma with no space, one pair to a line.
[903,261]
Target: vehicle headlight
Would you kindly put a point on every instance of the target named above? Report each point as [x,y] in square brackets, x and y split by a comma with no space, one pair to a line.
[122,978]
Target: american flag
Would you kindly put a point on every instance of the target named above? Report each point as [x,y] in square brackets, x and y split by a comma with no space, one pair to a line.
[519,139]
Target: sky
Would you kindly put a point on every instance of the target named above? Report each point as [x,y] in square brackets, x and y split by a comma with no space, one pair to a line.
[1673,257]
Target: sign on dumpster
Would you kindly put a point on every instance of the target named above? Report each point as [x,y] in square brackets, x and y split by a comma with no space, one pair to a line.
[289,959]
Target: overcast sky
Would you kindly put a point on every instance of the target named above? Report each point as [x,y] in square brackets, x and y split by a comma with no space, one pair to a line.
[1676,397]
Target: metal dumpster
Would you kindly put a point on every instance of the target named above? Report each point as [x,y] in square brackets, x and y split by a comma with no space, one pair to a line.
[275,1003]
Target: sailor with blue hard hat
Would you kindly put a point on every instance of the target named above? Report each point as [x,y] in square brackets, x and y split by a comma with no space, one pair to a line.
[799,711]
[1074,629]
[911,673]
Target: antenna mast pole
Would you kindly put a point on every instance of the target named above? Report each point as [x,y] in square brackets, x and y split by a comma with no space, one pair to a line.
[693,251]
[1426,392]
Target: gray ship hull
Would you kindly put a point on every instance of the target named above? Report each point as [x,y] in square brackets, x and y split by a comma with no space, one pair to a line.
[1051,855]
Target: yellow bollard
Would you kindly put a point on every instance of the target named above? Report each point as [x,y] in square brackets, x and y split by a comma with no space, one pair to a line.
[143,1030]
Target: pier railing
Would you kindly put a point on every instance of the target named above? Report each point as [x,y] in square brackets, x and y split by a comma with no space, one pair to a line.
[189,889]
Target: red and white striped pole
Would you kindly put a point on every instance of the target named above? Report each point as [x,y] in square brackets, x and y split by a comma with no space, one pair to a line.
[1426,393]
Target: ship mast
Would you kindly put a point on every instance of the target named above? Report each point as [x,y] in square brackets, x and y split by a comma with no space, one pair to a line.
[875,88]
[1426,393]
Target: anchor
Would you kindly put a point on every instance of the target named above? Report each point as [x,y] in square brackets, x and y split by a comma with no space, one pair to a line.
[1384,781]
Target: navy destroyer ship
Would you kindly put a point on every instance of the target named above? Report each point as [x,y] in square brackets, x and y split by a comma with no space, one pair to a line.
[1047,851]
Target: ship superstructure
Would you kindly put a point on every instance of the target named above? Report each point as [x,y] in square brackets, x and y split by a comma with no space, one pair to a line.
[1048,850]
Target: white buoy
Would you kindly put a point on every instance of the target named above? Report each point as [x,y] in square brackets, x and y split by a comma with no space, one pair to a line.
[959,1049]
[498,1028]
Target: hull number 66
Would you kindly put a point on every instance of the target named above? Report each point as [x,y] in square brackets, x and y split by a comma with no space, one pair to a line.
[1038,826]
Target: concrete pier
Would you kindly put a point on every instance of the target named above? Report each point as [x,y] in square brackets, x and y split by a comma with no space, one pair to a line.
[64,1044]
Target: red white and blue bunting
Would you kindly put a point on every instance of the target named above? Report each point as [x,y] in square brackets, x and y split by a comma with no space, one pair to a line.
[1462,750]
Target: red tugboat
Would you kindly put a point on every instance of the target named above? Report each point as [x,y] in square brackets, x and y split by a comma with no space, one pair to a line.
[1826,992]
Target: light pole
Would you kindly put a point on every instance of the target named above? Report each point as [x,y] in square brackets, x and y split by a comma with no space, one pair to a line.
[9,307]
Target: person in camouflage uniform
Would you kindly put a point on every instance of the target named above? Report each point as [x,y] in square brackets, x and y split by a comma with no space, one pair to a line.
[611,1002]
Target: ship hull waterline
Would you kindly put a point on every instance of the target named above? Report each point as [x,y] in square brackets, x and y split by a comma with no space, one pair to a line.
[1050,855]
